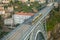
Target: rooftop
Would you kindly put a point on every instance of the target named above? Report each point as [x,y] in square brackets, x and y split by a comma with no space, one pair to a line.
[25,13]
[1,8]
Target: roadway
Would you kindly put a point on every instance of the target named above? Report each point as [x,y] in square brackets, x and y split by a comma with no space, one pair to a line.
[24,30]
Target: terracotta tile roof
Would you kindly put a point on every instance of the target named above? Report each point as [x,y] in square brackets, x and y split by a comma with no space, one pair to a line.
[25,13]
[1,8]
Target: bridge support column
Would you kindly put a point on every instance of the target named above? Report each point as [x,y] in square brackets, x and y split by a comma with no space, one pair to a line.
[38,33]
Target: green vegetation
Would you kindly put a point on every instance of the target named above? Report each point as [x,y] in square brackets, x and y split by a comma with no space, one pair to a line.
[1,25]
[25,7]
[2,34]
[1,22]
[53,20]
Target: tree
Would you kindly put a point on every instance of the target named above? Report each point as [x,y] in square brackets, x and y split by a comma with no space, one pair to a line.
[35,6]
[26,8]
[5,6]
[1,22]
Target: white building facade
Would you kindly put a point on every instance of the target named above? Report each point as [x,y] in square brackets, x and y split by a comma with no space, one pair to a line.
[21,17]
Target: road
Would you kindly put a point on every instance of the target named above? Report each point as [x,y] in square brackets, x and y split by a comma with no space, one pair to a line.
[25,29]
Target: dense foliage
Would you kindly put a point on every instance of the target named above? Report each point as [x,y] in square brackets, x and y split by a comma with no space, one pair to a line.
[26,7]
[1,22]
[53,20]
[2,34]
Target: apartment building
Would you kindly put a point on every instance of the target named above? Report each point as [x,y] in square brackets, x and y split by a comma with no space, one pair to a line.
[20,17]
[32,0]
[42,1]
[2,11]
[6,1]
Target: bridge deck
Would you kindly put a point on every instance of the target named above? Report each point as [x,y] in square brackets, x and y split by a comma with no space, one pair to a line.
[23,30]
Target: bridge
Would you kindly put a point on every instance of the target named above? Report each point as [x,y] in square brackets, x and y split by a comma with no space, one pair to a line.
[35,31]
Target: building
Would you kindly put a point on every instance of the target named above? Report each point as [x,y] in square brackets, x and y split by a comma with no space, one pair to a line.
[2,11]
[7,15]
[1,5]
[50,1]
[42,1]
[20,17]
[8,21]
[28,0]
[56,4]
[32,0]
[1,8]
[10,9]
[6,1]
[0,0]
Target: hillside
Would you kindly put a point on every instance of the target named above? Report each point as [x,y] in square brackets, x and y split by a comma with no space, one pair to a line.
[53,25]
